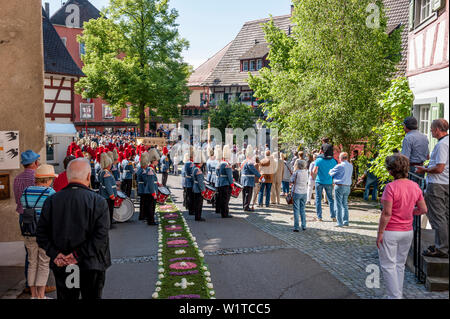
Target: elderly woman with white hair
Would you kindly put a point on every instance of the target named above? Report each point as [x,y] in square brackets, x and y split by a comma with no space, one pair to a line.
[299,182]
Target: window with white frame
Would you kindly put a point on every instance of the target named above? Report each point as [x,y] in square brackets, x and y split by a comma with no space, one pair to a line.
[86,111]
[82,49]
[245,66]
[252,65]
[107,112]
[64,40]
[425,10]
[259,64]
[128,112]
[424,119]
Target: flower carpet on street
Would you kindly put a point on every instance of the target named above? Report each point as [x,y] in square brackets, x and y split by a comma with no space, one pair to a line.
[182,272]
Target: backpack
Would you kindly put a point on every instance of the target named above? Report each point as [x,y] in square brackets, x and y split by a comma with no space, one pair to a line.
[28,225]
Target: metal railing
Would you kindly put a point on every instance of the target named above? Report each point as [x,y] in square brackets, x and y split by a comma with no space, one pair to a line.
[417,226]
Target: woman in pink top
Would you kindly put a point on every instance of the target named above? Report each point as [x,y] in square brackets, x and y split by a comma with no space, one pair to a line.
[401,200]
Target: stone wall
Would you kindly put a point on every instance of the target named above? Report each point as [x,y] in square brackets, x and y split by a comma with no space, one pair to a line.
[21,91]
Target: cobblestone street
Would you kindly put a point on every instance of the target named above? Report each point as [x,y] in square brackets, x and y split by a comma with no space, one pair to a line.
[344,252]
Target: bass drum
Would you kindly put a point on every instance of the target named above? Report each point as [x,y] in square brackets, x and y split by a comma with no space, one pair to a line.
[124,212]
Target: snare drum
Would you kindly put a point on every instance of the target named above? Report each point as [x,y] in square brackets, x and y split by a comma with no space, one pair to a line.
[123,208]
[209,192]
[163,194]
[236,190]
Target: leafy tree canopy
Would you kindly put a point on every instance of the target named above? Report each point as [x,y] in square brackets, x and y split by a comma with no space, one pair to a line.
[133,57]
[326,77]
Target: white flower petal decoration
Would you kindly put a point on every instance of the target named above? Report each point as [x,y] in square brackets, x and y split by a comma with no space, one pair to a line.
[210,286]
[208,279]
[158,289]
[158,283]
[155,295]
[161,276]
[161,270]
[207,274]
[212,293]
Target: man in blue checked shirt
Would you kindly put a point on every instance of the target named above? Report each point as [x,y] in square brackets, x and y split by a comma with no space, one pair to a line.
[342,178]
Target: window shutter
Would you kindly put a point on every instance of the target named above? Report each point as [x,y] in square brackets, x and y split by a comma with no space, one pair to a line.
[438,4]
[411,14]
[415,112]
[436,112]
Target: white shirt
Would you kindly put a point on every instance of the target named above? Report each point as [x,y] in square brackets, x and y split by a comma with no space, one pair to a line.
[439,156]
[301,182]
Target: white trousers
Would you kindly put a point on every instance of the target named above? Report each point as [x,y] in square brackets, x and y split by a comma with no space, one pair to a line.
[311,184]
[393,253]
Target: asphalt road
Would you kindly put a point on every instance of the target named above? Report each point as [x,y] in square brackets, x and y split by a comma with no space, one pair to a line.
[245,262]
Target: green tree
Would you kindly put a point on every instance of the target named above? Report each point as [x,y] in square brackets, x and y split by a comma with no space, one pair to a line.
[133,57]
[231,115]
[325,78]
[396,103]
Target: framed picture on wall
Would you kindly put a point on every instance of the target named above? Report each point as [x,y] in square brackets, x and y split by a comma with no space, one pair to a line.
[9,150]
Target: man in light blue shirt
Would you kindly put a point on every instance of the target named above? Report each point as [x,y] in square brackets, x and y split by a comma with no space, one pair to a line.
[323,165]
[342,178]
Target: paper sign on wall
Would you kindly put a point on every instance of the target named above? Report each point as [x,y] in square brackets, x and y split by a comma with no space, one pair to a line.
[9,150]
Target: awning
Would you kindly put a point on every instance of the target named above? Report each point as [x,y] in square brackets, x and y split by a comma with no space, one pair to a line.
[60,129]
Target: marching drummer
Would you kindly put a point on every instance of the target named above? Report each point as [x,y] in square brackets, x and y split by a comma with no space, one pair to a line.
[146,189]
[152,184]
[249,172]
[187,180]
[165,165]
[108,187]
[115,168]
[211,177]
[224,183]
[198,186]
[128,171]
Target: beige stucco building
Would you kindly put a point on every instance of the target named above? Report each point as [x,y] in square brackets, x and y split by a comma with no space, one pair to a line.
[21,92]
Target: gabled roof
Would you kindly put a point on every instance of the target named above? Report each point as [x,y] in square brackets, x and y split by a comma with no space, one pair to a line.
[227,72]
[259,50]
[87,12]
[204,71]
[56,57]
[397,12]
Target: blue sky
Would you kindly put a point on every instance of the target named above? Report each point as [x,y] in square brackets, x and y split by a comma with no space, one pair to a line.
[209,25]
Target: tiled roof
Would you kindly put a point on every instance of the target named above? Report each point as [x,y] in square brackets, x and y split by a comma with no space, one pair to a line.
[204,71]
[87,12]
[397,12]
[228,70]
[56,57]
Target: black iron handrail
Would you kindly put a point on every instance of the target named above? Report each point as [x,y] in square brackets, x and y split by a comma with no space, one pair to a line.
[417,226]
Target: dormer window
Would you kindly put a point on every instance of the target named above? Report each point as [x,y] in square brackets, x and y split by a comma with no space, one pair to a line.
[255,58]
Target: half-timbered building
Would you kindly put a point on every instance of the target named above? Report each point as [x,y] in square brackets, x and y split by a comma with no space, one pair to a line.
[93,114]
[224,76]
[60,74]
[428,61]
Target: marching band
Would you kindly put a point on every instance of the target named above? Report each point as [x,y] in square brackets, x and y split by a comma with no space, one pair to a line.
[114,168]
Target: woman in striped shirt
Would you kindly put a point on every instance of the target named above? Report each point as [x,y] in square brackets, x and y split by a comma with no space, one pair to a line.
[34,197]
